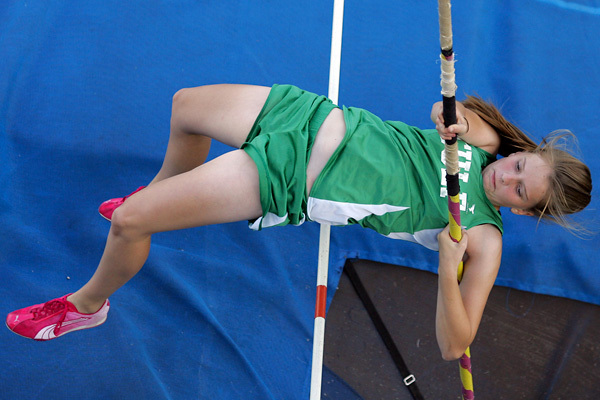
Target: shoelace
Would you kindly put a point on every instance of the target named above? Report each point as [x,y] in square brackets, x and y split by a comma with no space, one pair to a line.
[50,308]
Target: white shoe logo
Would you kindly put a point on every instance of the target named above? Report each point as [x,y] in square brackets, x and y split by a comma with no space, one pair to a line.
[47,333]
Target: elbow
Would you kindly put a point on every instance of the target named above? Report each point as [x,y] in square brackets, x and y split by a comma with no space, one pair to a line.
[453,351]
[452,354]
[452,347]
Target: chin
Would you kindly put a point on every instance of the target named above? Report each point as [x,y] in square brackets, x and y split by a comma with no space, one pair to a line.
[485,179]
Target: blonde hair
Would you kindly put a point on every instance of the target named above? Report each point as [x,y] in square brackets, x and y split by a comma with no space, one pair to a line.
[571,181]
[570,184]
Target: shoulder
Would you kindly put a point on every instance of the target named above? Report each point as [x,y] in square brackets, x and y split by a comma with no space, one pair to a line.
[485,242]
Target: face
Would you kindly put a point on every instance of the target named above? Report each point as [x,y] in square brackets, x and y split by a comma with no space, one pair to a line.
[519,181]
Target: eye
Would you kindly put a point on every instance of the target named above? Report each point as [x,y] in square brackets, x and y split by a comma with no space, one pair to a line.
[518,166]
[519,191]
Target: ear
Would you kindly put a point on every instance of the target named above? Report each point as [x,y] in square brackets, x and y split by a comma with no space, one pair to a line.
[520,211]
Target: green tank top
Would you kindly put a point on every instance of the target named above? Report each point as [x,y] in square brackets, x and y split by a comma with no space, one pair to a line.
[390,177]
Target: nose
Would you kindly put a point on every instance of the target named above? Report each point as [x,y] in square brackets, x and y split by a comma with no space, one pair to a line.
[507,178]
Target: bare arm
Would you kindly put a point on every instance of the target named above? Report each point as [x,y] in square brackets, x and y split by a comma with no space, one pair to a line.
[460,307]
[469,127]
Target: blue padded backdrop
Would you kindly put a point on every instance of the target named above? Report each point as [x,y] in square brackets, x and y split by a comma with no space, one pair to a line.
[222,312]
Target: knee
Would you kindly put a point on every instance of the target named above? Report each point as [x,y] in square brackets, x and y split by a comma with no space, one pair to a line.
[179,97]
[127,223]
[187,103]
[189,108]
[178,107]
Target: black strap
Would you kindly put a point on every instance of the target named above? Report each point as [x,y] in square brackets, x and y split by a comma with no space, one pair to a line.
[408,378]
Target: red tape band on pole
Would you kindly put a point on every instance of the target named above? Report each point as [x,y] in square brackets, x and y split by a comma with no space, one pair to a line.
[321,305]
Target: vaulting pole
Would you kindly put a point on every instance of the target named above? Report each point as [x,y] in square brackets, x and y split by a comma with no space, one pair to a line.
[452,167]
[323,261]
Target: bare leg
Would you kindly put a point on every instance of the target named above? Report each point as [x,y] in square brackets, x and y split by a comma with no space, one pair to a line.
[221,112]
[225,189]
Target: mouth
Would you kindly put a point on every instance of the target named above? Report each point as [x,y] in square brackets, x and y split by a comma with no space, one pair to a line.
[493,180]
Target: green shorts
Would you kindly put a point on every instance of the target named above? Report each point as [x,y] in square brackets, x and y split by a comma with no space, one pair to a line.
[280,143]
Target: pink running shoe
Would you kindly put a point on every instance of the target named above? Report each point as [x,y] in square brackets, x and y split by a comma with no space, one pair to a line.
[109,206]
[53,319]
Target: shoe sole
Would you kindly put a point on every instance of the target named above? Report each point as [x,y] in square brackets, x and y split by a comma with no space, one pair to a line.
[72,330]
[104,217]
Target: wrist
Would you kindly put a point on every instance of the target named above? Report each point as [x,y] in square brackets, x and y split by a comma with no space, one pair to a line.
[448,270]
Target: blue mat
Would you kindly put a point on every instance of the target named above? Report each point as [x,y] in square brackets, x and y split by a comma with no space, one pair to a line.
[222,312]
